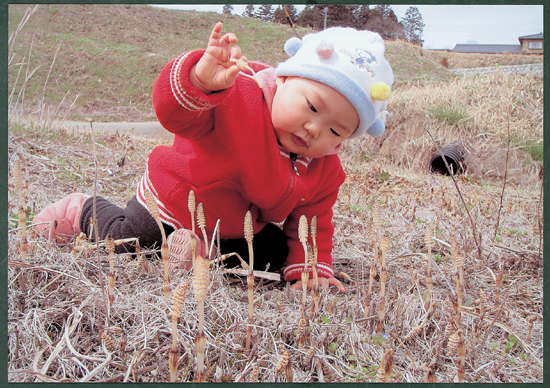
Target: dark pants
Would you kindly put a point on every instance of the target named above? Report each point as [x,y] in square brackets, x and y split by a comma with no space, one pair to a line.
[270,244]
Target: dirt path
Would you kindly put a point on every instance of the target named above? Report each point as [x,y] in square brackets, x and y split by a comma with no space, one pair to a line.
[145,129]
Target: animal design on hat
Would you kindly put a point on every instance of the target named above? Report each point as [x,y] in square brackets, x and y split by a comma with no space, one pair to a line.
[362,59]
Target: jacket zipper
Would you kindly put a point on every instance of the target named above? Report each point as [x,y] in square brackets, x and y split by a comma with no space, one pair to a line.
[293,158]
[290,187]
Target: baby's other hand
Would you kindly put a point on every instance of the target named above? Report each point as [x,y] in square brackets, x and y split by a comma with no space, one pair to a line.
[323,282]
[216,70]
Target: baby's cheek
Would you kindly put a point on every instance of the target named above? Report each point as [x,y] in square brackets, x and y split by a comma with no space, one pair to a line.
[279,118]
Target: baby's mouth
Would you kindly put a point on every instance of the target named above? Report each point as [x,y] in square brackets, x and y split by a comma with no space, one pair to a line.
[299,141]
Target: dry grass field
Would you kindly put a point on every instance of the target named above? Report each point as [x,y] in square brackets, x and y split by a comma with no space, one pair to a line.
[444,275]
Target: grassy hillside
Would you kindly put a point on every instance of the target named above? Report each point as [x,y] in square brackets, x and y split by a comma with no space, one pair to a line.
[108,56]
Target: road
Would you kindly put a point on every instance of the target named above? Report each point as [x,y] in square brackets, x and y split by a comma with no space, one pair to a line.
[145,129]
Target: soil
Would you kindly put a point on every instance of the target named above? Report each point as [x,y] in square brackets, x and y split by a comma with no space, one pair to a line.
[490,163]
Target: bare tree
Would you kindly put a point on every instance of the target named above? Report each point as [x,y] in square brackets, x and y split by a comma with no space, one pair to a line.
[382,20]
[227,9]
[265,12]
[311,17]
[249,11]
[279,16]
[413,26]
[361,16]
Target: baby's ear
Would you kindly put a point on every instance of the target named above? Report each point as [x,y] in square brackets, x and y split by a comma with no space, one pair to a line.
[279,81]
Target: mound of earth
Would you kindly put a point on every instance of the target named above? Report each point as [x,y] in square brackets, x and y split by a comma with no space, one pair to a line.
[408,144]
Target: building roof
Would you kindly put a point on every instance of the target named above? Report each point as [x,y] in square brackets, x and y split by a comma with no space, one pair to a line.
[487,48]
[535,36]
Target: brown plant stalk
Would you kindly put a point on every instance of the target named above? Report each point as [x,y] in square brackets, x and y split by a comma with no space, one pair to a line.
[22,223]
[93,222]
[282,363]
[200,291]
[459,280]
[482,308]
[141,263]
[430,376]
[201,223]
[178,299]
[530,320]
[498,286]
[386,365]
[165,252]
[459,263]
[429,243]
[417,329]
[302,236]
[191,205]
[289,372]
[461,348]
[249,236]
[377,223]
[108,340]
[384,245]
[301,334]
[254,375]
[110,247]
[452,343]
[315,291]
[505,177]
[372,271]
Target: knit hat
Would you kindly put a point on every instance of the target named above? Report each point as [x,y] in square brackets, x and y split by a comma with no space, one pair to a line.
[349,61]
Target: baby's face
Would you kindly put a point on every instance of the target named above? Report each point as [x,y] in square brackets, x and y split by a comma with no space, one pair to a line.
[311,118]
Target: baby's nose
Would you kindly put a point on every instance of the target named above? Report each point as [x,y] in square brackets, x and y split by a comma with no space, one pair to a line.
[312,129]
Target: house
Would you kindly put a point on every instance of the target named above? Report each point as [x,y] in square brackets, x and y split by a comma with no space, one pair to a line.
[532,44]
[529,44]
[488,48]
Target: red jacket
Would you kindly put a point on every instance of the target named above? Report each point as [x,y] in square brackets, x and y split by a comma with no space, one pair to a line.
[226,151]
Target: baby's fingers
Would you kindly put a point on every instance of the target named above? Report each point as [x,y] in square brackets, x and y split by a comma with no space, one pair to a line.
[326,282]
[236,54]
[297,285]
[228,39]
[335,282]
[215,34]
[323,283]
[225,41]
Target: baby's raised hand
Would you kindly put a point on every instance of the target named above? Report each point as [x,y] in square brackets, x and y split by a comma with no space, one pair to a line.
[216,70]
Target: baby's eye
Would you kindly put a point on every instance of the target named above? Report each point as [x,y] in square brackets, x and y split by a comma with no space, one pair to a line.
[312,107]
[334,132]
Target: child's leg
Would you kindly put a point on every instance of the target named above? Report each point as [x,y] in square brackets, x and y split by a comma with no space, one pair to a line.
[133,221]
[270,246]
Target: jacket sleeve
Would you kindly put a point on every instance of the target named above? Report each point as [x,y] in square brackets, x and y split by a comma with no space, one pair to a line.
[180,107]
[320,206]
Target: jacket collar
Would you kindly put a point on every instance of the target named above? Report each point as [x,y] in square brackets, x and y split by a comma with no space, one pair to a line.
[267,78]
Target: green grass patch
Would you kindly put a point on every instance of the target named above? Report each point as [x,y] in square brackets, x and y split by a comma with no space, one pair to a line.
[533,147]
[450,115]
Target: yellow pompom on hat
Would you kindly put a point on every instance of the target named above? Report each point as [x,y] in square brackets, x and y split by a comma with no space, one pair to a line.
[380,91]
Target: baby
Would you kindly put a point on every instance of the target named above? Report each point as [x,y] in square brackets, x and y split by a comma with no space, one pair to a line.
[270,150]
